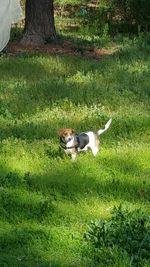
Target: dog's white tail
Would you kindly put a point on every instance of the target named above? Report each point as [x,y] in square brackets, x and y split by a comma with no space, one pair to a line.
[107,125]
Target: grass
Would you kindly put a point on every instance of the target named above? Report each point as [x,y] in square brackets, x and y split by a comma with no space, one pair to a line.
[46,201]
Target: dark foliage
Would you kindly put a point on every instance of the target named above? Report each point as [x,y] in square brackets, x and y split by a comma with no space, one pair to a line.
[127,232]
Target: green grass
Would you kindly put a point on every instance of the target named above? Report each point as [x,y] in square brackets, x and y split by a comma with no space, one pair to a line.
[46,201]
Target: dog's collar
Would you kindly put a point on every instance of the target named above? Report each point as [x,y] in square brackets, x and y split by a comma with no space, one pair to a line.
[63,144]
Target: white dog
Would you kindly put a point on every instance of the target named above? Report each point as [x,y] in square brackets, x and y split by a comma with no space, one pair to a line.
[73,143]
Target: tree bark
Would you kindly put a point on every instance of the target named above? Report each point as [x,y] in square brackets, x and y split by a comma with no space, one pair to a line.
[39,22]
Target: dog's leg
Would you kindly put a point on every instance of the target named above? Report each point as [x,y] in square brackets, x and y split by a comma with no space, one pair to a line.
[95,150]
[73,156]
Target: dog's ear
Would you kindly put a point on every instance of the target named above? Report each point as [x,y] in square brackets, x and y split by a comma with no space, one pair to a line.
[73,131]
[61,131]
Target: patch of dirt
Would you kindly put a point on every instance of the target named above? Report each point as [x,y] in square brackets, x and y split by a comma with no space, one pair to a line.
[65,48]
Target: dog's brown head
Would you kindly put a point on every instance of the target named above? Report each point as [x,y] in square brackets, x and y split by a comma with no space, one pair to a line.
[66,134]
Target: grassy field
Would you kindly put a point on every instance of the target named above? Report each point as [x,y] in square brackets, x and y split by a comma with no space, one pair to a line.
[46,201]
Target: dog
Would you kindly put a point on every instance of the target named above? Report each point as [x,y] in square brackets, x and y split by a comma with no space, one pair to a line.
[73,143]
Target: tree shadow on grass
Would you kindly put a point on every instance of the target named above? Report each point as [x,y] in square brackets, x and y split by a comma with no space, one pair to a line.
[36,81]
[9,260]
[28,238]
[25,246]
[128,127]
[115,178]
[30,197]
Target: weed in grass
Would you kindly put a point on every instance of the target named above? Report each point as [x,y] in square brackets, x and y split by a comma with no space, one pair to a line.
[125,234]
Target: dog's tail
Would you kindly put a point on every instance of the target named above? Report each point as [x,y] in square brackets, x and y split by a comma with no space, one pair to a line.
[107,125]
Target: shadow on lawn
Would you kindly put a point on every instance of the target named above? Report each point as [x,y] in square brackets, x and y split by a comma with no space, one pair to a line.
[25,246]
[30,197]
[73,185]
[28,239]
[116,178]
[38,81]
[128,127]
[24,260]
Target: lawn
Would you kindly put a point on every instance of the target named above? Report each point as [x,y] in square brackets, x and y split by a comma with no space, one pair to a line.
[46,201]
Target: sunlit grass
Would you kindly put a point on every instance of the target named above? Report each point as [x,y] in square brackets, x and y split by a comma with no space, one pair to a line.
[46,200]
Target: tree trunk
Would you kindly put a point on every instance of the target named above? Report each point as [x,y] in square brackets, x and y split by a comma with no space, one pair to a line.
[39,22]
